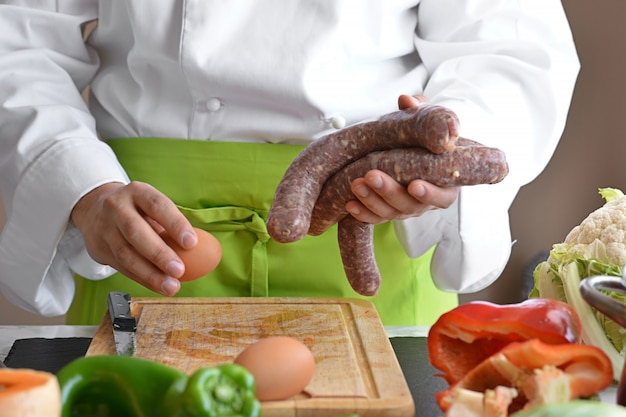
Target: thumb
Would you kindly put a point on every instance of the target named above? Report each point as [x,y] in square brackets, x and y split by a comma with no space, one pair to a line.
[405,101]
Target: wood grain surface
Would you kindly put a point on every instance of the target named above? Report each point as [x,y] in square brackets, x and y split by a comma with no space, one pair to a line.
[356,368]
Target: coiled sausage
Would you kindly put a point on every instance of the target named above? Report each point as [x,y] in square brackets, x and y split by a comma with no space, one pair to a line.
[429,126]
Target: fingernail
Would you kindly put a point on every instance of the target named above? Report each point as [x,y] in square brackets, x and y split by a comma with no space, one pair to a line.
[170,286]
[175,268]
[189,240]
[377,182]
[419,190]
[362,191]
[355,210]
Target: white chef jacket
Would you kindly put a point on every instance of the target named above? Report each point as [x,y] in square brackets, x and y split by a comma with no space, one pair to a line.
[272,71]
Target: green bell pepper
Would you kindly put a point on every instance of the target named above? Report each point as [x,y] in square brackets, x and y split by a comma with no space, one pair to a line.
[125,386]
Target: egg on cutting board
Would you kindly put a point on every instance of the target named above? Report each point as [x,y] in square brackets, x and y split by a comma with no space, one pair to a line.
[199,260]
[282,366]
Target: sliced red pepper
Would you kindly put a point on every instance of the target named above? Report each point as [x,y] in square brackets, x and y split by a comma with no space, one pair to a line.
[542,373]
[465,336]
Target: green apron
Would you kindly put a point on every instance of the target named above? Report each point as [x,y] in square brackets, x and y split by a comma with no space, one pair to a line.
[227,188]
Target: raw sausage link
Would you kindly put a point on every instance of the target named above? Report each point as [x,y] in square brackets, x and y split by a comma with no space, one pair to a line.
[469,163]
[429,126]
[357,253]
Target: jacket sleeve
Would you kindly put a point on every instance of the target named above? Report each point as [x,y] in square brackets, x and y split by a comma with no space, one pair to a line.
[508,69]
[45,65]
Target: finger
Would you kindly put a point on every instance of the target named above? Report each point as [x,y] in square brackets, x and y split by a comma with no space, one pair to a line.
[369,196]
[161,210]
[406,101]
[392,193]
[155,226]
[131,229]
[140,270]
[144,240]
[362,213]
[129,262]
[430,194]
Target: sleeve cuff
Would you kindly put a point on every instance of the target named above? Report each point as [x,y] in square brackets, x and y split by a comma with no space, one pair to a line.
[34,273]
[472,238]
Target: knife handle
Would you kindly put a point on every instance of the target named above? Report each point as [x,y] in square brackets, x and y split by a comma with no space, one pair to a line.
[119,309]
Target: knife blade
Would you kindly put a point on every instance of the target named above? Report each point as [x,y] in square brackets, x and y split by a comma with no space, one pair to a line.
[124,324]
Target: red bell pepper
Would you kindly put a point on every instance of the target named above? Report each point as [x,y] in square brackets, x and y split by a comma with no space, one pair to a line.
[463,337]
[537,372]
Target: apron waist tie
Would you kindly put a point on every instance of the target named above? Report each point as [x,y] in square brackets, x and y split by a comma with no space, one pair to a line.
[234,219]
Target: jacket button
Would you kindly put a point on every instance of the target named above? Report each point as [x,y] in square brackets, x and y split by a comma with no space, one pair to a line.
[338,122]
[213,104]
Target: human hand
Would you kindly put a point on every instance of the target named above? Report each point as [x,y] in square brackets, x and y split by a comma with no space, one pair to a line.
[121,225]
[380,198]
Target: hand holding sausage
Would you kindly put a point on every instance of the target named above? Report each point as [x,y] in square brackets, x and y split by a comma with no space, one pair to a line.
[120,224]
[419,142]
[379,198]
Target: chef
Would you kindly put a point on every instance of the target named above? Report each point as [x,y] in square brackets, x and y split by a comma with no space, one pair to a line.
[196,108]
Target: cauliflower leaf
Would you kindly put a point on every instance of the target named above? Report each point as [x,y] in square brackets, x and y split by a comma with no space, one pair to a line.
[597,246]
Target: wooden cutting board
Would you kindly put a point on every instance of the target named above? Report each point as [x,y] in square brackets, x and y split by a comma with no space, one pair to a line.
[356,368]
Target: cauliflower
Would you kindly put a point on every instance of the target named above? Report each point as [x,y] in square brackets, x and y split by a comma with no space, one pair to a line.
[492,403]
[597,246]
[607,224]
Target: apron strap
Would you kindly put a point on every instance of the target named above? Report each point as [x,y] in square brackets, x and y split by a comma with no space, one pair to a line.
[234,219]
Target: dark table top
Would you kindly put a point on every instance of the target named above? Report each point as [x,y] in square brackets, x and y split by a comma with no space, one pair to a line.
[419,374]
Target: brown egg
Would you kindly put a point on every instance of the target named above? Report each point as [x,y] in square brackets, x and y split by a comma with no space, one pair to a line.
[281,365]
[201,259]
